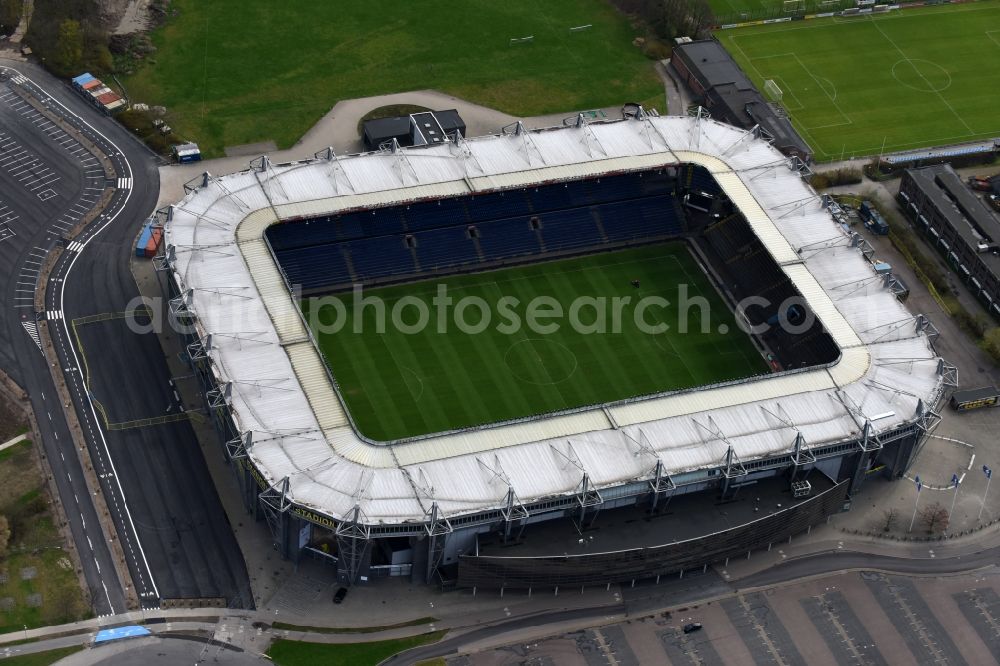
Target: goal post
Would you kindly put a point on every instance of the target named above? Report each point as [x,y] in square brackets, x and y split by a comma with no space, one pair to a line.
[772,90]
[791,6]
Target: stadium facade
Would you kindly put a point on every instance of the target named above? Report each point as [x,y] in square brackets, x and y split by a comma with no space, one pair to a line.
[853,396]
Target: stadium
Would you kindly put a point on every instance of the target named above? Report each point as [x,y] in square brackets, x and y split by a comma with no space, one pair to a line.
[349,461]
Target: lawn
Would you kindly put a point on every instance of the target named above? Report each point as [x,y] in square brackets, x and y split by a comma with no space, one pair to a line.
[401,383]
[298,653]
[241,71]
[38,585]
[42,658]
[905,80]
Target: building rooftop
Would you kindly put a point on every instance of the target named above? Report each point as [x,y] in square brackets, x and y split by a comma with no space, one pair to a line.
[296,431]
[709,61]
[974,222]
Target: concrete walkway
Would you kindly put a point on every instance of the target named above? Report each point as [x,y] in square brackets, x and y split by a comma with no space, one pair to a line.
[10,443]
[27,9]
[339,129]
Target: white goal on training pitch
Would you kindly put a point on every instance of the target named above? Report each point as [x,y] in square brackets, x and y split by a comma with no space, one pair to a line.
[794,6]
[772,90]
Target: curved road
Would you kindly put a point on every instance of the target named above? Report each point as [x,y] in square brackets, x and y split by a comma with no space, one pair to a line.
[788,571]
[172,530]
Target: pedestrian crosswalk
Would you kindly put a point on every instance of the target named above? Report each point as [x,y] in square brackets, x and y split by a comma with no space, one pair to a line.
[32,329]
[19,79]
[54,314]
[74,246]
[124,183]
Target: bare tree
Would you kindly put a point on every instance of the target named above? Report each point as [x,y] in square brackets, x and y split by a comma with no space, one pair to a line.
[889,518]
[934,518]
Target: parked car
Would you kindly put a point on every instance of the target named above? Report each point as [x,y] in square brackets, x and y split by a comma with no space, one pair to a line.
[339,595]
[694,626]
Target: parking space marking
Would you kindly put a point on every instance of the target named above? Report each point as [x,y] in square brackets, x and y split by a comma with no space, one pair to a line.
[841,629]
[692,649]
[981,608]
[906,608]
[29,169]
[754,618]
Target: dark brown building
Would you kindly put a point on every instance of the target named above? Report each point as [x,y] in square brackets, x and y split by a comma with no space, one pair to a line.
[712,74]
[958,225]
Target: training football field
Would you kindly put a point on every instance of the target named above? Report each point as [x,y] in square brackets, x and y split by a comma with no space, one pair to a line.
[857,86]
[402,383]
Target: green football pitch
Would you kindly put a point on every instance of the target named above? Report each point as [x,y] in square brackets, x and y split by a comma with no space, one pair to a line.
[401,383]
[857,86]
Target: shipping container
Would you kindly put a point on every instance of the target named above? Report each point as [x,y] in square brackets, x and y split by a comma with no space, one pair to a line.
[144,238]
[115,107]
[97,92]
[79,81]
[108,98]
[91,84]
[155,239]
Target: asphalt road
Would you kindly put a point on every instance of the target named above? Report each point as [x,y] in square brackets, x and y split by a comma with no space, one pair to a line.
[33,153]
[691,590]
[172,528]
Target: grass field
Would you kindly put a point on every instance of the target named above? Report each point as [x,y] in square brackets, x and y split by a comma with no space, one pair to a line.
[38,584]
[42,658]
[297,653]
[400,385]
[913,78]
[241,71]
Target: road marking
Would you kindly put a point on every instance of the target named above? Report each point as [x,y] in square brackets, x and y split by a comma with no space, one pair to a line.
[32,329]
[54,314]
[74,246]
[124,183]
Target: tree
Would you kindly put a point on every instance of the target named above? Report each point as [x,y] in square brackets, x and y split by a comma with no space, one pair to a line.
[991,343]
[69,46]
[889,518]
[4,536]
[934,518]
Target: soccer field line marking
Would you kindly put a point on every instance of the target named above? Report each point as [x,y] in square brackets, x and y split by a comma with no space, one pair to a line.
[541,363]
[420,394]
[989,36]
[832,98]
[533,276]
[912,63]
[920,74]
[714,343]
[799,105]
[538,357]
[786,89]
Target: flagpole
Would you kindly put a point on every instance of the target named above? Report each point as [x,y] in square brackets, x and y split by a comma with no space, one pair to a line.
[954,482]
[916,501]
[989,477]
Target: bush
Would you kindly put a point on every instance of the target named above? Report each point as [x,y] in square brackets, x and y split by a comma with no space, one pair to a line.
[845,176]
[991,344]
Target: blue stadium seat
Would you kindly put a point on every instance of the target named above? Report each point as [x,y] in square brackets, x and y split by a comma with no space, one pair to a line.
[502,239]
[314,267]
[568,229]
[642,218]
[323,252]
[439,249]
[431,214]
[380,257]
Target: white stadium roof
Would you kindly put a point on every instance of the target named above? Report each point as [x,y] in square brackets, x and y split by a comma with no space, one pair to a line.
[280,389]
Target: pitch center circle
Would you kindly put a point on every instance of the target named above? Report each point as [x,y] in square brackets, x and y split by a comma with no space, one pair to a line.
[540,361]
[921,75]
